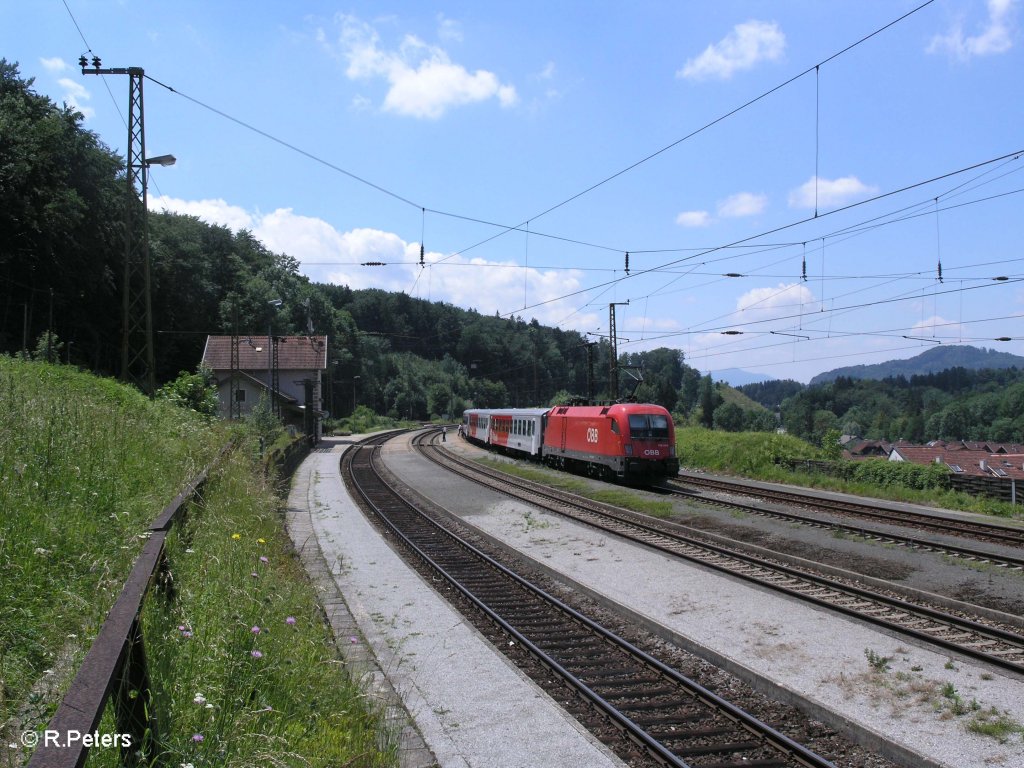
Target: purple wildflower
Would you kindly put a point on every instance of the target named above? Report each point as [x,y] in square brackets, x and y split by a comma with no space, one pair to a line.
[263,559]
[257,654]
[255,630]
[197,737]
[290,620]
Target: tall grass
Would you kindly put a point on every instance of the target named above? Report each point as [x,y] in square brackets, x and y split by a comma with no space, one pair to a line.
[85,464]
[242,665]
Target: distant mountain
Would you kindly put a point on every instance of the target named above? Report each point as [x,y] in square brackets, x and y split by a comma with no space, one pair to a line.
[735,377]
[933,360]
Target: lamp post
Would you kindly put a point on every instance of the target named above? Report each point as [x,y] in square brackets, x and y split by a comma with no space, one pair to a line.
[354,380]
[276,304]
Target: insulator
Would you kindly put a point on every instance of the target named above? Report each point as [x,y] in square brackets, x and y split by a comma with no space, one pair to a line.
[940,271]
[96,61]
[803,271]
[421,254]
[82,61]
[733,274]
[374,264]
[627,262]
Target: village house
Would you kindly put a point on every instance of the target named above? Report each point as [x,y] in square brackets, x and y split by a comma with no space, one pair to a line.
[301,367]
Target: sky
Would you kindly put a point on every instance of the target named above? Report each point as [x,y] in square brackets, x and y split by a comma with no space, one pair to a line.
[798,185]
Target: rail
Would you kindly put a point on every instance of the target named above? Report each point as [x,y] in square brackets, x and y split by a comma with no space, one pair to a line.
[116,661]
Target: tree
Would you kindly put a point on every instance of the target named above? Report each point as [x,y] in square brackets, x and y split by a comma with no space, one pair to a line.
[195,391]
[707,402]
[729,417]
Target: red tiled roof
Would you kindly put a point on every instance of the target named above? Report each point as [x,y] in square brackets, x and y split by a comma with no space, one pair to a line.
[968,461]
[294,353]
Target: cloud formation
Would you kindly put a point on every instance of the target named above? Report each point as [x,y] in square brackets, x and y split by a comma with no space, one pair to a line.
[422,79]
[693,219]
[748,44]
[742,204]
[830,192]
[993,38]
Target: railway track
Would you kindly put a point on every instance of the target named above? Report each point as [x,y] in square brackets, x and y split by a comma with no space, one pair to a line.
[993,645]
[643,703]
[974,529]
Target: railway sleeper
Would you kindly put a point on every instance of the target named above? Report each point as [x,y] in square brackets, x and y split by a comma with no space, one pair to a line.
[712,749]
[645,693]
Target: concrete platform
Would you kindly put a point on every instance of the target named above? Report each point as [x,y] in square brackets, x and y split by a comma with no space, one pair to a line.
[452,698]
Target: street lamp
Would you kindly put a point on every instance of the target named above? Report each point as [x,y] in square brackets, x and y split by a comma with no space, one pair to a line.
[354,380]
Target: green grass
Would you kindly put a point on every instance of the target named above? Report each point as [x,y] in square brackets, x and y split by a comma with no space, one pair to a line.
[755,455]
[995,724]
[242,656]
[85,465]
[619,497]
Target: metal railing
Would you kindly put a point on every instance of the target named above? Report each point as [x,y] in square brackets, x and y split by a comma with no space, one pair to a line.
[115,664]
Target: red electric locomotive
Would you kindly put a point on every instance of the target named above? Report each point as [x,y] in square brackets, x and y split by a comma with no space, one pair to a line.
[624,441]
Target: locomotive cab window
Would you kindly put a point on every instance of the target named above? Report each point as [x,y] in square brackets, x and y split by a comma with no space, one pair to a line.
[648,425]
[615,427]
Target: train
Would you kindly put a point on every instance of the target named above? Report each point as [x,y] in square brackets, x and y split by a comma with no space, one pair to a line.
[625,441]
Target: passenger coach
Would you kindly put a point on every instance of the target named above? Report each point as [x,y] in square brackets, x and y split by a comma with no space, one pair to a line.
[623,441]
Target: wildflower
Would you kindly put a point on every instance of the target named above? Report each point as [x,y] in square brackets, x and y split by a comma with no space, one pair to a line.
[181,627]
[236,536]
[254,575]
[197,737]
[261,541]
[263,559]
[290,620]
[353,640]
[255,630]
[257,654]
[199,699]
[186,634]
[187,765]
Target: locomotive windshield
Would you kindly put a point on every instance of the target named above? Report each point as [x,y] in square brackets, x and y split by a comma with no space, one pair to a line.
[648,425]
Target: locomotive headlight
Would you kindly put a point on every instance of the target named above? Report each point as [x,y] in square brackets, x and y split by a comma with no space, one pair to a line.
[629,450]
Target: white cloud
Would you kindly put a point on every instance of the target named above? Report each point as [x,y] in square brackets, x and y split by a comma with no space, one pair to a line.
[993,38]
[830,192]
[742,204]
[748,44]
[54,66]
[449,29]
[74,94]
[423,81]
[693,219]
[939,327]
[775,301]
[216,212]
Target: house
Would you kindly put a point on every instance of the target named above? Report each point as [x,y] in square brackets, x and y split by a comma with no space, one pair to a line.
[301,368]
[963,459]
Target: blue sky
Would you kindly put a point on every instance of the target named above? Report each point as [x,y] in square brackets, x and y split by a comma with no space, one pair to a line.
[530,146]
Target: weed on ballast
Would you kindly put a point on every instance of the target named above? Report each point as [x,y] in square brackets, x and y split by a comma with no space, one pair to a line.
[876,661]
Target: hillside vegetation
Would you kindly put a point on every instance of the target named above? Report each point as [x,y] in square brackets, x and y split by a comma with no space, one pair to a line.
[85,465]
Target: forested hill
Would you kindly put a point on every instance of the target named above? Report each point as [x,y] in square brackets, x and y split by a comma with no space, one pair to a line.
[933,360]
[62,198]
